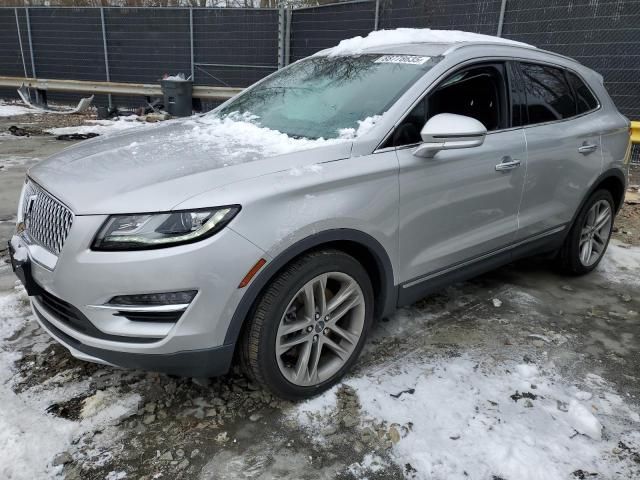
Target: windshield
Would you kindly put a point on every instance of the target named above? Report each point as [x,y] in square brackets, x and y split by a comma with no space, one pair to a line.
[328,97]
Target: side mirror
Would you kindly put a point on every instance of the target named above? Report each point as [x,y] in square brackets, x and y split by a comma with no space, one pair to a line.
[447,131]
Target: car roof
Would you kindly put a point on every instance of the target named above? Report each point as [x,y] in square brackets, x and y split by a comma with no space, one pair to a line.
[431,43]
[434,49]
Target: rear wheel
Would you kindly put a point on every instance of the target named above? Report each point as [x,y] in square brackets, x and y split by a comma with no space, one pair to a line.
[309,325]
[589,237]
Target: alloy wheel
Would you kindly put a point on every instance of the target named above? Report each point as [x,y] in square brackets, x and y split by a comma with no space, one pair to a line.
[320,329]
[595,233]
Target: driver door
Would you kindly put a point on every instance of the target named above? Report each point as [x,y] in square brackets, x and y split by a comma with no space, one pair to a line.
[459,208]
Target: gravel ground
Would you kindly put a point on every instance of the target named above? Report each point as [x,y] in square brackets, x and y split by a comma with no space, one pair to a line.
[518,374]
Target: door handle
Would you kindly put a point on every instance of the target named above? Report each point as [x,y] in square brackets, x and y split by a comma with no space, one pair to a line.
[507,164]
[586,149]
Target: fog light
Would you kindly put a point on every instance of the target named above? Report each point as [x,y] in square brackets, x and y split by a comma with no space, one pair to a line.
[150,299]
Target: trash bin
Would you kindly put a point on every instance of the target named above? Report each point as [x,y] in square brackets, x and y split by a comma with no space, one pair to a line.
[177,96]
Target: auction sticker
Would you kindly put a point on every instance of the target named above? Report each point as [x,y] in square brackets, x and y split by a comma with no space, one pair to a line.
[408,59]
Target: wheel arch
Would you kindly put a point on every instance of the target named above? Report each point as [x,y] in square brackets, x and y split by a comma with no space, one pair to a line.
[366,249]
[612,180]
[615,183]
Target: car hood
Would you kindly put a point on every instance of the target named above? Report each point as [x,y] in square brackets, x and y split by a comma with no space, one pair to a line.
[154,168]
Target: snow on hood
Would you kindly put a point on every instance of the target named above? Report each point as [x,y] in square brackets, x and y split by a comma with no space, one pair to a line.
[231,133]
[401,36]
[172,161]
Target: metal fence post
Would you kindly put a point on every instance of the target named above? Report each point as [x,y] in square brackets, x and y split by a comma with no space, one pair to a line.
[287,37]
[376,21]
[193,73]
[24,63]
[281,34]
[106,54]
[503,7]
[33,62]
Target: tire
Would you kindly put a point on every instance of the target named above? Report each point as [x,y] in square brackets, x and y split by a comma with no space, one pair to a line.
[293,301]
[572,256]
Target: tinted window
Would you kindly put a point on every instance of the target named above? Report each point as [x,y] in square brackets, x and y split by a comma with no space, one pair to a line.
[548,94]
[518,99]
[584,98]
[477,92]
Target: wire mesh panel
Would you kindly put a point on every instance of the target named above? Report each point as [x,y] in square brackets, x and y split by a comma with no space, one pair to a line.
[313,29]
[635,154]
[470,15]
[10,56]
[602,35]
[234,47]
[145,43]
[11,63]
[67,43]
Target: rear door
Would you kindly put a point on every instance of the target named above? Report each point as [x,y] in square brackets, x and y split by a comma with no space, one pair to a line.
[563,147]
[460,204]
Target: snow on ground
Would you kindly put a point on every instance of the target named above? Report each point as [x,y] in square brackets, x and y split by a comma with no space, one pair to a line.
[29,437]
[399,36]
[475,418]
[12,109]
[621,263]
[101,127]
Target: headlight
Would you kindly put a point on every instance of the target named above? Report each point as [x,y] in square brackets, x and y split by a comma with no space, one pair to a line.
[156,230]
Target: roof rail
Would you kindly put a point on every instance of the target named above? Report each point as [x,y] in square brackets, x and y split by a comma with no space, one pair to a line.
[458,45]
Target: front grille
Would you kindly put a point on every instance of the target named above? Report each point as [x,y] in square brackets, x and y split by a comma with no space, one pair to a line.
[47,220]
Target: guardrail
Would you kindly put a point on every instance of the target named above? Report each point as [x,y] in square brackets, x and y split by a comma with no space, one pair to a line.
[113,88]
[635,132]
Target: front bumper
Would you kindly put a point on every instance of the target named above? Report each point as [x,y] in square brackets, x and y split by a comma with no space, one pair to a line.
[82,278]
[194,363]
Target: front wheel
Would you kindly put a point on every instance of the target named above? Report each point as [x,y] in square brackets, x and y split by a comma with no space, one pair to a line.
[589,237]
[309,325]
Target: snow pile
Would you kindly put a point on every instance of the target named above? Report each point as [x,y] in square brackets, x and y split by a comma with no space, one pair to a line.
[233,133]
[12,311]
[101,127]
[400,36]
[621,263]
[476,418]
[179,77]
[12,109]
[27,446]
[364,126]
[29,437]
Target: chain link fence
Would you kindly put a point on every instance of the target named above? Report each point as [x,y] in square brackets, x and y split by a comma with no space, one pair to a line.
[236,47]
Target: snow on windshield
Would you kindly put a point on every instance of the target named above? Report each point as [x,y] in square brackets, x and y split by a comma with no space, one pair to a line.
[239,133]
[399,36]
[242,135]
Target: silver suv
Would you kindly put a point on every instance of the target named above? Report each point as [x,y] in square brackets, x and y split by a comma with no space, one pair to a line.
[275,229]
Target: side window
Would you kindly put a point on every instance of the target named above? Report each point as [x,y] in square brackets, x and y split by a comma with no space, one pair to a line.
[518,99]
[549,97]
[478,92]
[584,98]
[408,132]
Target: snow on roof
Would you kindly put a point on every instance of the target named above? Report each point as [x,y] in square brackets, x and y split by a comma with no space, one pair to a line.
[403,36]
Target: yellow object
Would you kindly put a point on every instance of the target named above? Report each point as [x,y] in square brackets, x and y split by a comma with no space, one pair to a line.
[635,132]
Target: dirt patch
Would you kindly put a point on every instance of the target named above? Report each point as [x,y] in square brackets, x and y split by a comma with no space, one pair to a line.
[37,123]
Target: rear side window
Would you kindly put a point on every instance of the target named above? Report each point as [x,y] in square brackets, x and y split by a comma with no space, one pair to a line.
[584,98]
[549,96]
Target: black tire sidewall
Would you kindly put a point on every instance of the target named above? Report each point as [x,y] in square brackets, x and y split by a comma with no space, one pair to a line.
[572,248]
[310,268]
